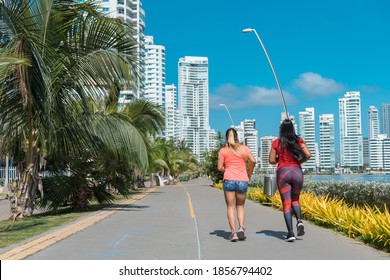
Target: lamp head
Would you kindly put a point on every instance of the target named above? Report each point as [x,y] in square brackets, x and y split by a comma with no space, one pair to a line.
[247,30]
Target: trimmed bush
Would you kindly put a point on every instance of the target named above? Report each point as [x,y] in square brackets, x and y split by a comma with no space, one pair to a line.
[374,194]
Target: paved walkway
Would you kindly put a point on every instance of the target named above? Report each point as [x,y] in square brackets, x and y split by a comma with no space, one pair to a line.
[186,222]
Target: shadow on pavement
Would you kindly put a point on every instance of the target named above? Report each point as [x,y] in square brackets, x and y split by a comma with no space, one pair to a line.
[221,233]
[272,233]
[120,207]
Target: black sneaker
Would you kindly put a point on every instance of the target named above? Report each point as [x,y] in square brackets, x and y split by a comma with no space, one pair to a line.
[300,228]
[241,234]
[290,237]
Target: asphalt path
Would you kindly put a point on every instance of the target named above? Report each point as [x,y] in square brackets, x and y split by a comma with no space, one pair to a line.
[188,222]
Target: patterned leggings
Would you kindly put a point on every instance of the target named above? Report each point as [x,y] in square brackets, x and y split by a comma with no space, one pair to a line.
[290,182]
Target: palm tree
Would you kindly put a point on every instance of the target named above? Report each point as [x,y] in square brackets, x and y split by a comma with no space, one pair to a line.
[68,56]
[98,175]
[161,152]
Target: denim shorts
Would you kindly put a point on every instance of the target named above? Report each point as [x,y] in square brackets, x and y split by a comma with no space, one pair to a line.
[235,186]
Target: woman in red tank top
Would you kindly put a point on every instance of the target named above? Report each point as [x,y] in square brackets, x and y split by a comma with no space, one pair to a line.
[289,151]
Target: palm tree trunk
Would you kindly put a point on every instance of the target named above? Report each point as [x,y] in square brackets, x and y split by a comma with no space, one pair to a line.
[81,198]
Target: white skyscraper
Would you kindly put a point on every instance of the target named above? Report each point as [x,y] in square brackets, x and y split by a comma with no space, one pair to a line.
[171,113]
[154,72]
[385,119]
[307,132]
[132,12]
[265,148]
[386,154]
[327,141]
[213,140]
[251,137]
[366,151]
[373,122]
[193,92]
[377,152]
[351,140]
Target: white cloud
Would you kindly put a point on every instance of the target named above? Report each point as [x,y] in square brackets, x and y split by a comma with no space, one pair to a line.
[315,85]
[247,97]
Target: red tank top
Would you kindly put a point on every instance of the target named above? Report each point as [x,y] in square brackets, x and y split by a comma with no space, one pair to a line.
[285,158]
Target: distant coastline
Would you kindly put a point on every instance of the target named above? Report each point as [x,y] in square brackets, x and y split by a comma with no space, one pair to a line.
[368,177]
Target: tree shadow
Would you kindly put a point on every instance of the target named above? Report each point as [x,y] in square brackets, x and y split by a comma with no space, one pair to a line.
[221,233]
[272,233]
[121,207]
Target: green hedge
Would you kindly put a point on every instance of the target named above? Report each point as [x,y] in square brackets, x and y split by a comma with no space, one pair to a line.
[352,192]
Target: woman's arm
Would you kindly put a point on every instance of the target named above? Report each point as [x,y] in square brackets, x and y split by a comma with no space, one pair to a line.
[252,163]
[221,165]
[272,157]
[306,151]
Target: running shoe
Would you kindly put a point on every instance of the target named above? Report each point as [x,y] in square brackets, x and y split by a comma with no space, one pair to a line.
[241,234]
[233,237]
[300,228]
[290,237]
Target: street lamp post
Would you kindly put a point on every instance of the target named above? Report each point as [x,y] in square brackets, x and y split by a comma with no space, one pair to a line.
[247,30]
[228,113]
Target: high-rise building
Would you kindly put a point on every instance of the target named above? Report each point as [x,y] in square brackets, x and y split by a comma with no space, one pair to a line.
[307,132]
[248,135]
[373,122]
[251,137]
[213,140]
[351,140]
[193,90]
[154,72]
[386,154]
[171,113]
[377,160]
[385,119]
[130,11]
[265,148]
[327,142]
[366,151]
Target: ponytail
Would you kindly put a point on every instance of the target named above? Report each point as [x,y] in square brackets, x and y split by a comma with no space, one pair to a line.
[233,143]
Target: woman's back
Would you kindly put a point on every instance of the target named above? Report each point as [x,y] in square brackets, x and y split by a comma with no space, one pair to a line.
[285,157]
[235,166]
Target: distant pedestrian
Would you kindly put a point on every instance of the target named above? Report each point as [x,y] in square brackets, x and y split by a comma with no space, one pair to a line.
[232,161]
[289,151]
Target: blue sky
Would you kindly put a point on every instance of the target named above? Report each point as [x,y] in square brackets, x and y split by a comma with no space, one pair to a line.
[319,49]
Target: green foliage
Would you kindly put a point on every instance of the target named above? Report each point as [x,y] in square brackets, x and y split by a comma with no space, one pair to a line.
[210,166]
[375,194]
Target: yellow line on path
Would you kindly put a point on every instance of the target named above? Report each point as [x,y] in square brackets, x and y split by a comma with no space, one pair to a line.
[192,212]
[38,244]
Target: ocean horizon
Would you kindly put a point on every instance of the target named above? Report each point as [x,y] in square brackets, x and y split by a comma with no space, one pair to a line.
[351,177]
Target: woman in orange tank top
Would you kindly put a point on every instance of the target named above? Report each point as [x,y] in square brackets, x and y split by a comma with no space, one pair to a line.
[232,161]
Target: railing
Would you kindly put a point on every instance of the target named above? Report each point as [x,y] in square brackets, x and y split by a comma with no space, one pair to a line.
[11,174]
